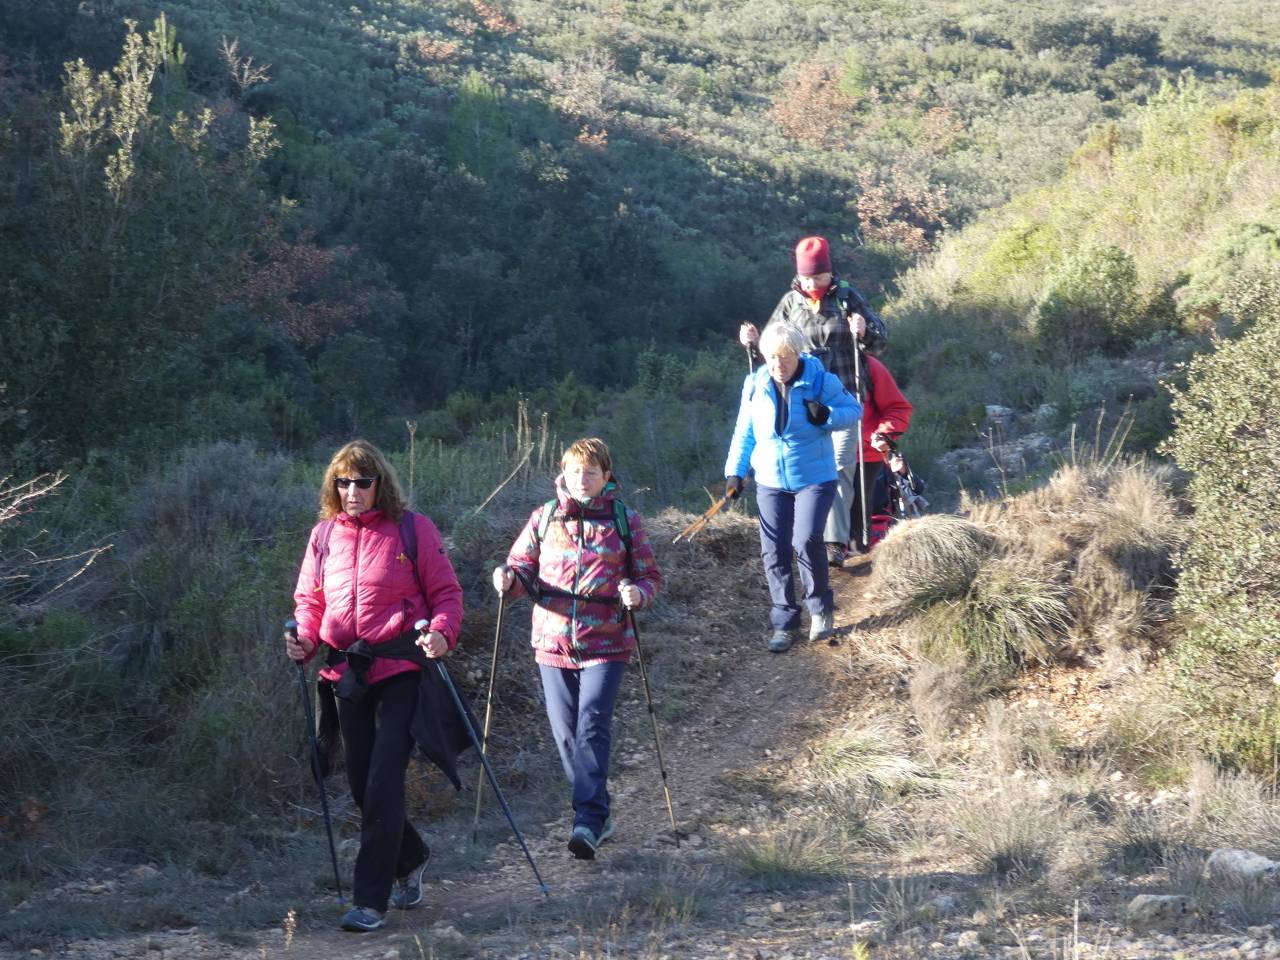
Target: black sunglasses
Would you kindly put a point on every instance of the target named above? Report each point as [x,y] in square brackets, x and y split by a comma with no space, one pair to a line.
[364,483]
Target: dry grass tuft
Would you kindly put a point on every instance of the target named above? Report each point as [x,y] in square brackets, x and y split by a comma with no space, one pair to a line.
[932,559]
[870,762]
[788,858]
[1226,809]
[1001,825]
[1010,615]
[1106,532]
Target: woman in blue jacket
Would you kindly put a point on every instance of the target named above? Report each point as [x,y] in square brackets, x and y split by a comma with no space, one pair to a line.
[789,408]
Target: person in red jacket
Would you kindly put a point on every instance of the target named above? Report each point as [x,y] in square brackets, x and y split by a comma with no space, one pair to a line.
[886,415]
[358,585]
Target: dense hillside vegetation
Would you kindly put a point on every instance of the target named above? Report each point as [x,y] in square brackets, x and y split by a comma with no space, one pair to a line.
[460,189]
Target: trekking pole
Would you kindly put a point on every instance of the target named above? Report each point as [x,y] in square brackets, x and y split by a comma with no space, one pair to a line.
[653,719]
[488,714]
[291,626]
[421,626]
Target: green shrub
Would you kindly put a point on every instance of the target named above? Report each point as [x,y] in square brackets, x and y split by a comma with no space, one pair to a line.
[1226,437]
[1091,303]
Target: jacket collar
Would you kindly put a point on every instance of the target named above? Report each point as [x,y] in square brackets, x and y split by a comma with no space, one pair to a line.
[601,503]
[831,290]
[366,519]
[807,372]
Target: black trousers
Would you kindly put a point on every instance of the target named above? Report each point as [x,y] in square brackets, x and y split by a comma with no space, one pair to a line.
[378,744]
[875,493]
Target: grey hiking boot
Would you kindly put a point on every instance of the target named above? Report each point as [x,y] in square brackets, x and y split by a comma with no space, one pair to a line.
[821,626]
[583,842]
[780,641]
[406,892]
[836,554]
[362,920]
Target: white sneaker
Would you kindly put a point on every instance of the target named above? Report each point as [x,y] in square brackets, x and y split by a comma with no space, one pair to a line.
[821,626]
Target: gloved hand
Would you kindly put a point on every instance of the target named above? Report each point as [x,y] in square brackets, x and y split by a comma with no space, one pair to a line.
[817,413]
[732,487]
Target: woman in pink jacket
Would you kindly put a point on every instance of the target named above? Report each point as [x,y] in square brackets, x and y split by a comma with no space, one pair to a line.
[359,585]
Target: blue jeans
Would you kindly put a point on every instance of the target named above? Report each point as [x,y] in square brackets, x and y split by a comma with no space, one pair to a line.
[580,708]
[791,524]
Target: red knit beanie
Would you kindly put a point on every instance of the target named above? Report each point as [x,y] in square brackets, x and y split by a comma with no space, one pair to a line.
[812,256]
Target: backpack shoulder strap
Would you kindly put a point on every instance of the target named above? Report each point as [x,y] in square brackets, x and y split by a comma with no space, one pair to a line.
[321,544]
[548,514]
[409,541]
[623,526]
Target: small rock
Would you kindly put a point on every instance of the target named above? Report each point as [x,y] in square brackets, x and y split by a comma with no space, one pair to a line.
[1146,911]
[1264,932]
[969,940]
[1226,864]
[144,872]
[756,920]
[777,909]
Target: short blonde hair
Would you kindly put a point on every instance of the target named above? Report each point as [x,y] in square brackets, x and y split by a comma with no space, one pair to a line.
[361,458]
[784,335]
[589,450]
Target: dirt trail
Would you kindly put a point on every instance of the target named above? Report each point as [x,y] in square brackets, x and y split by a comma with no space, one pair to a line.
[748,724]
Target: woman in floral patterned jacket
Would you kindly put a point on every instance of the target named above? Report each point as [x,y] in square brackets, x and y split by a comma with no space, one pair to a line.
[584,559]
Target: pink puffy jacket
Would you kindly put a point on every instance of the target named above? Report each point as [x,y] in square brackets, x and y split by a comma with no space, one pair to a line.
[367,589]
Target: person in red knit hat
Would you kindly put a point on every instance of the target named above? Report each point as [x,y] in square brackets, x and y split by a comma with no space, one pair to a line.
[832,315]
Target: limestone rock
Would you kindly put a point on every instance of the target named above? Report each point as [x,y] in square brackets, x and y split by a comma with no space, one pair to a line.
[1236,866]
[1146,911]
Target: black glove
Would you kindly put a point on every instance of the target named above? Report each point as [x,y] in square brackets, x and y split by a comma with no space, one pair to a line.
[817,413]
[732,487]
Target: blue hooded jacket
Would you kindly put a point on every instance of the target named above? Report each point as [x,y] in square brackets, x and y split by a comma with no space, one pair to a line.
[801,454]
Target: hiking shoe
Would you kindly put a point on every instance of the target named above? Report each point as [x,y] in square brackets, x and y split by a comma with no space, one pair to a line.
[606,831]
[836,554]
[820,626]
[362,920]
[583,842]
[407,891]
[780,641]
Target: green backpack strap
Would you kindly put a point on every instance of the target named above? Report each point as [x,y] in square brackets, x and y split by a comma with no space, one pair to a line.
[544,524]
[624,531]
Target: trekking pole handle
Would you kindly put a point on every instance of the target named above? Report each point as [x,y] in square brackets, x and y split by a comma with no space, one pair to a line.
[625,582]
[423,627]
